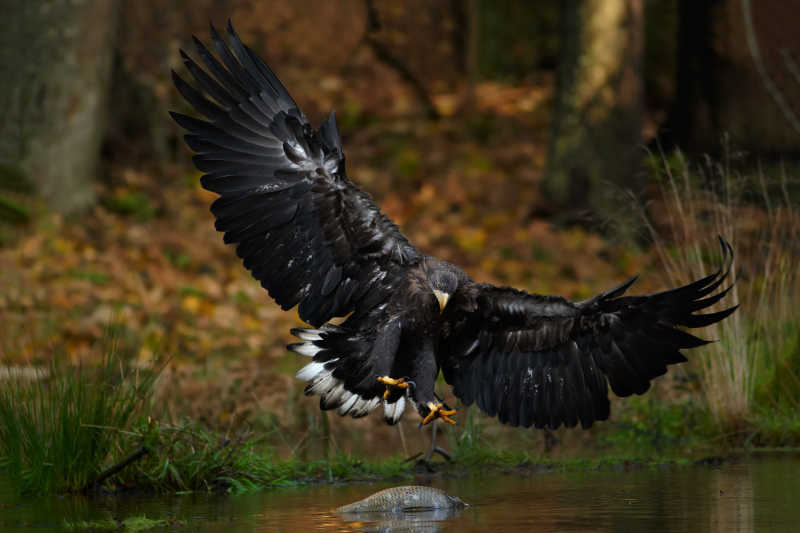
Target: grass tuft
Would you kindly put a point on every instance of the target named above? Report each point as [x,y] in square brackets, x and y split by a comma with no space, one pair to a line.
[54,434]
[80,428]
[754,369]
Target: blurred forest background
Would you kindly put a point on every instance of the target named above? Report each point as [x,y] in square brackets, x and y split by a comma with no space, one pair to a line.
[559,147]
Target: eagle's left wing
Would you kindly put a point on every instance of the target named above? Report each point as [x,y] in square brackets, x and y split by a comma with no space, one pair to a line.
[302,228]
[545,361]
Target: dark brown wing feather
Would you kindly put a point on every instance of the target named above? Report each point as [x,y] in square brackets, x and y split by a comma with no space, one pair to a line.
[545,361]
[301,227]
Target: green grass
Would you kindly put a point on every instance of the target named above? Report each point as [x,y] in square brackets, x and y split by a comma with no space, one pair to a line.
[185,458]
[188,458]
[645,434]
[646,425]
[62,433]
[479,458]
[54,434]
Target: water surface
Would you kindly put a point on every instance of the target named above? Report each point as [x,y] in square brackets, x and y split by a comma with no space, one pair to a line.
[760,493]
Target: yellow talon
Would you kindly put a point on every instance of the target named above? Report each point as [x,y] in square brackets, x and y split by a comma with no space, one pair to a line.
[399,383]
[437,411]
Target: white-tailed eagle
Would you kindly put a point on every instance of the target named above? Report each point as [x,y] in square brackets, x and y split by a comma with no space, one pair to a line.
[315,240]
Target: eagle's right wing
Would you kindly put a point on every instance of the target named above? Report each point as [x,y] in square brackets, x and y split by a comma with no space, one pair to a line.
[302,228]
[545,361]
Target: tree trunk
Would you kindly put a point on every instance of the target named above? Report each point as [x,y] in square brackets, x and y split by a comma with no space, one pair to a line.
[596,130]
[695,87]
[737,79]
[55,59]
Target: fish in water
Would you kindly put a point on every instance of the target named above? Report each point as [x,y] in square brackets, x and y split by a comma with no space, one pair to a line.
[404,499]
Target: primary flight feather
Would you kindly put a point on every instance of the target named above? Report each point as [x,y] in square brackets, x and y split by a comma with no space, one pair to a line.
[314,239]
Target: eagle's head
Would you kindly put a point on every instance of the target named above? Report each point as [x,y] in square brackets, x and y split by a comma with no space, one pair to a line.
[443,283]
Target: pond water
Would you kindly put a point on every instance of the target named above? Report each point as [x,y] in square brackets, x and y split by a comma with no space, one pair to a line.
[760,493]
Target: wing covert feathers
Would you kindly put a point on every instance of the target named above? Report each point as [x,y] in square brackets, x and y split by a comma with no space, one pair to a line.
[301,227]
[543,361]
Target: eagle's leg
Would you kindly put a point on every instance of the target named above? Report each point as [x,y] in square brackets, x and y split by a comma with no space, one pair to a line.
[399,383]
[437,410]
[436,449]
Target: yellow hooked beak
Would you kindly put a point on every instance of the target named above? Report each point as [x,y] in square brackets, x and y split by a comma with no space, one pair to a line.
[442,298]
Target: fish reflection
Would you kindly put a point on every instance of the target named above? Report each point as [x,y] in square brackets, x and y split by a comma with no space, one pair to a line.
[428,521]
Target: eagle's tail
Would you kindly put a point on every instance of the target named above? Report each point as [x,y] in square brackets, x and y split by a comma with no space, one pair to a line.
[345,369]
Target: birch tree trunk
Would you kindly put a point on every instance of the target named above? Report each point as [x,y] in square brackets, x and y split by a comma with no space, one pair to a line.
[55,65]
[596,130]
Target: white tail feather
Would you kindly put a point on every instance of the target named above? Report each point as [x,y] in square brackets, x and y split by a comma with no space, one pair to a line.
[306,348]
[310,371]
[394,411]
[308,334]
[348,403]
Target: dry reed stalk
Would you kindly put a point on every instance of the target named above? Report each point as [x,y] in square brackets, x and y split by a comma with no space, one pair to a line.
[765,270]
